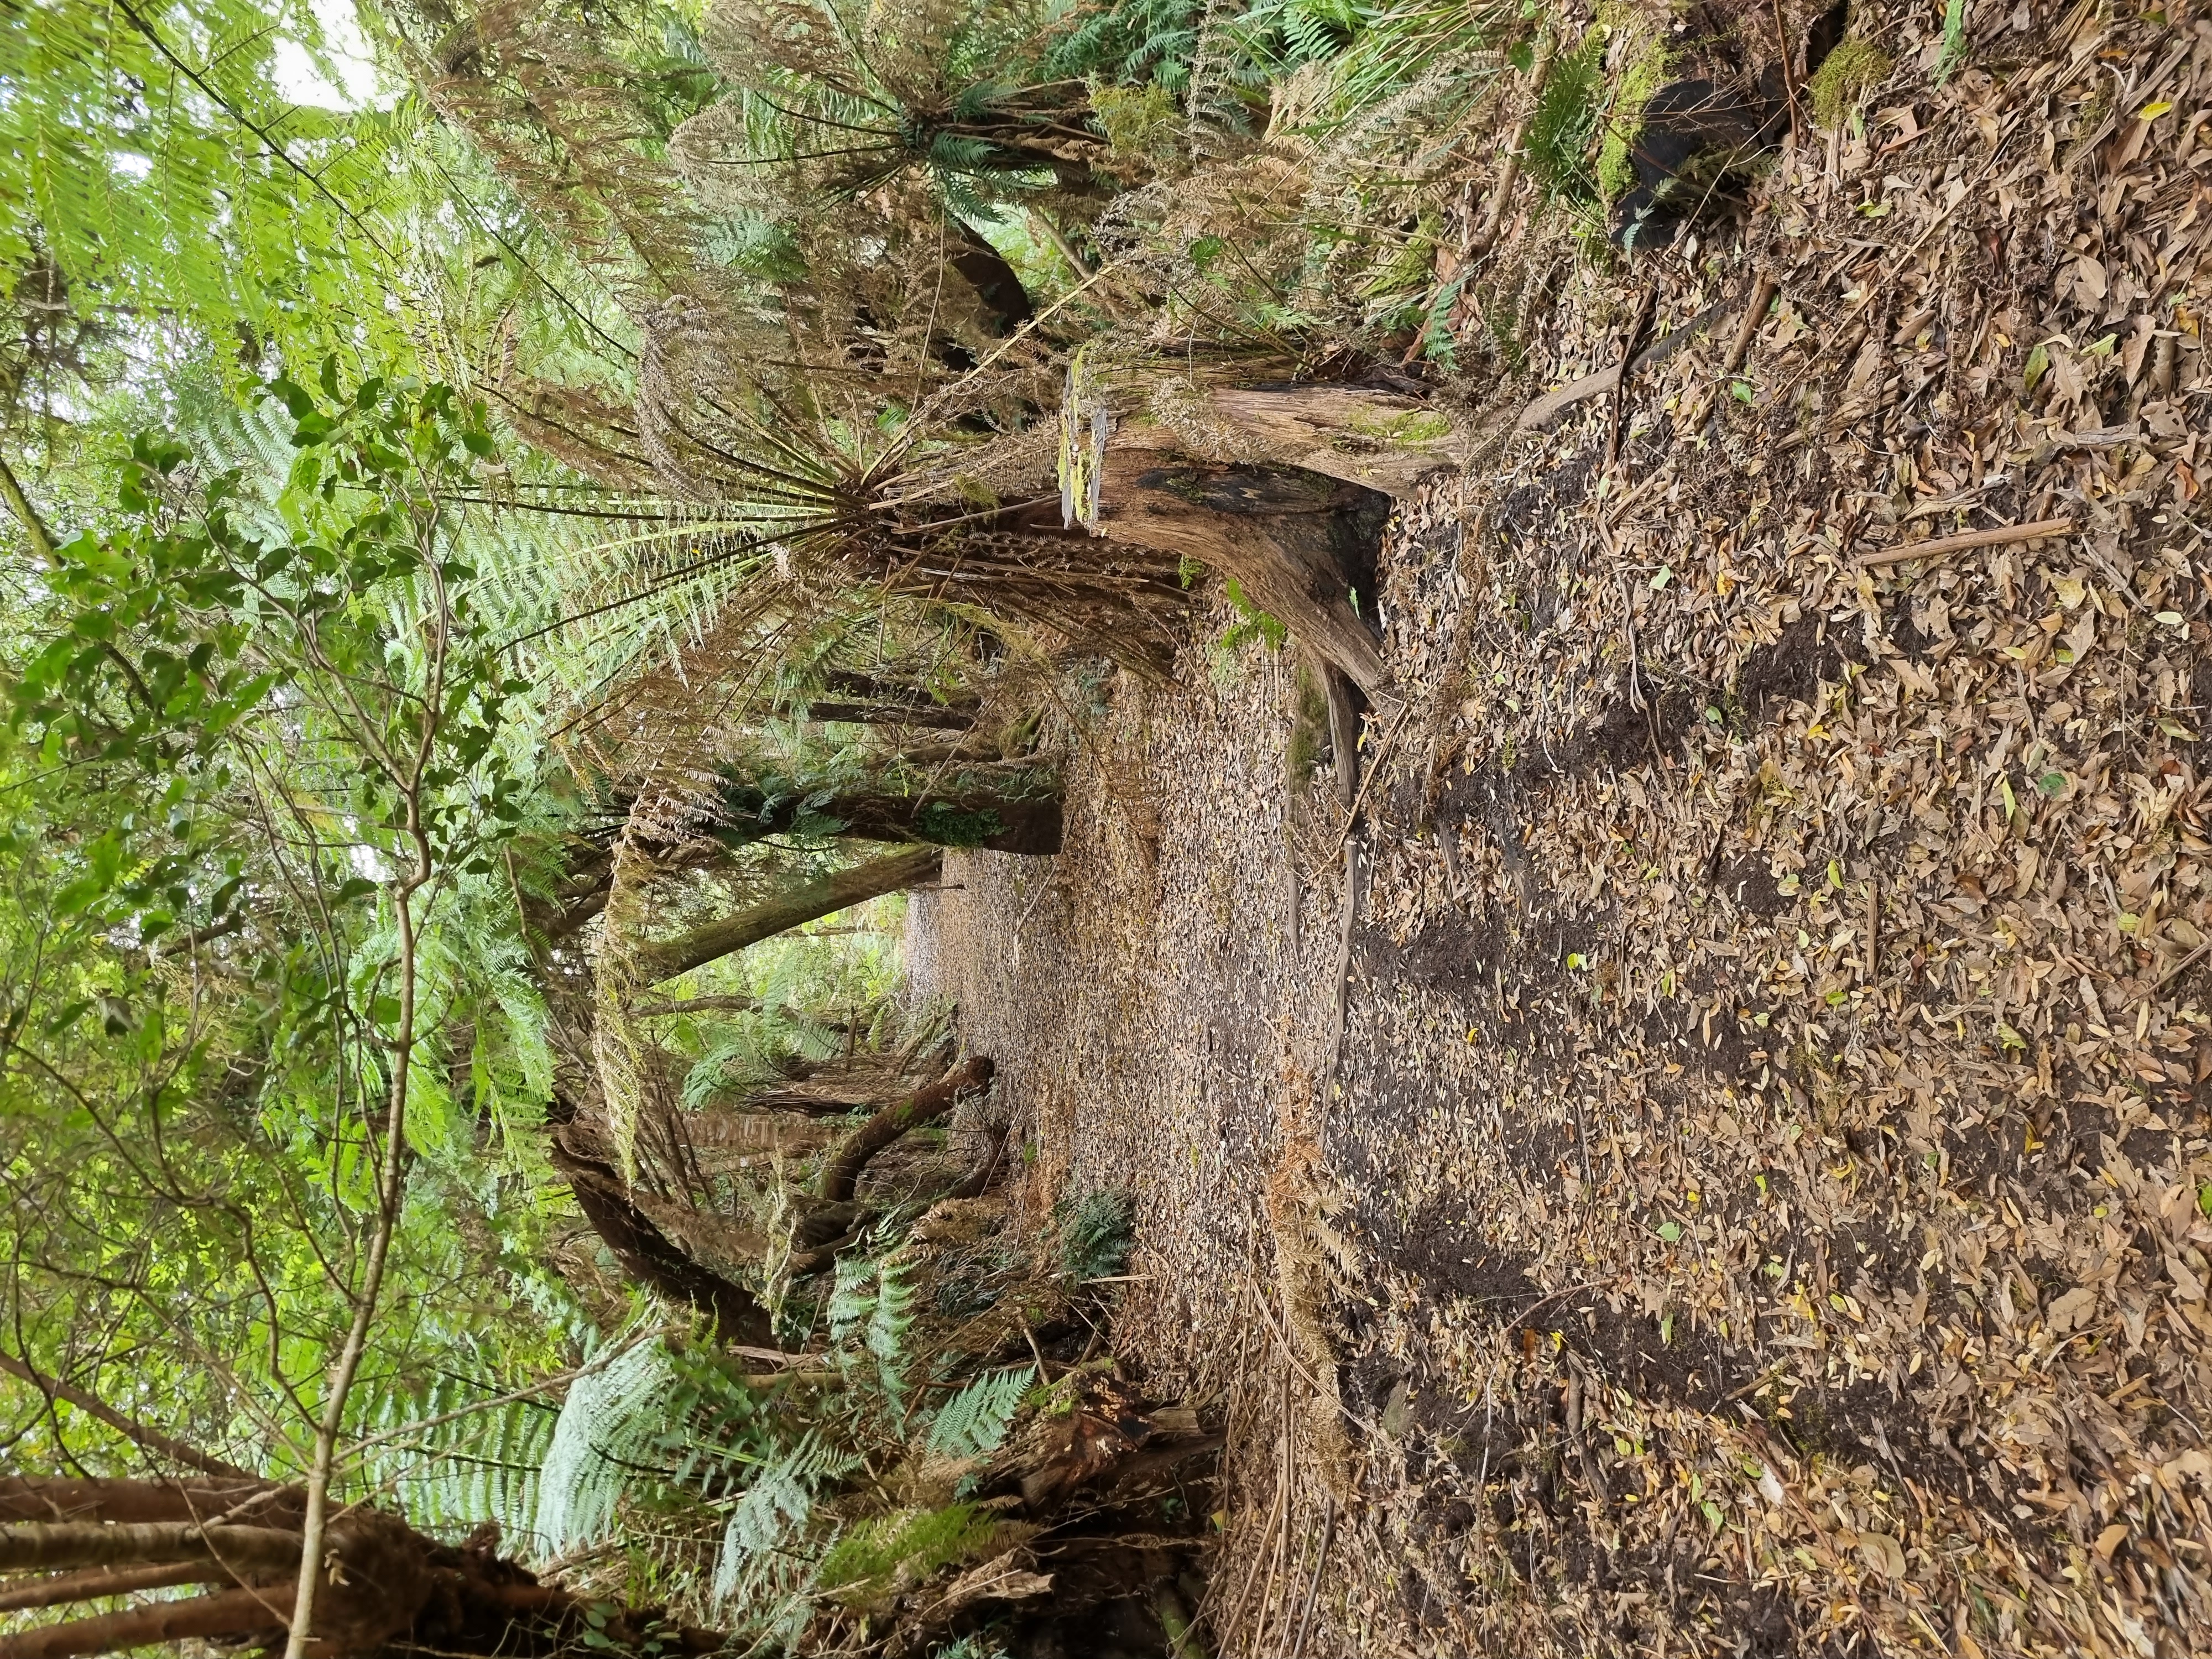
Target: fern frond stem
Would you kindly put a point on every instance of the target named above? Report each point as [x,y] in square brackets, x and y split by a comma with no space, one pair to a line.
[754,544]
[971,517]
[571,512]
[507,247]
[816,119]
[795,155]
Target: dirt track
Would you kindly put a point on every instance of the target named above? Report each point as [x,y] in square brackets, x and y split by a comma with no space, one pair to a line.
[1774,1133]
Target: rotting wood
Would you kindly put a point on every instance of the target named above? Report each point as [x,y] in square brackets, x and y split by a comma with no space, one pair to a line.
[890,874]
[1289,536]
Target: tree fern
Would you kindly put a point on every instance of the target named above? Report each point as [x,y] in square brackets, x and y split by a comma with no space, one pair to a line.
[975,1421]
[476,1466]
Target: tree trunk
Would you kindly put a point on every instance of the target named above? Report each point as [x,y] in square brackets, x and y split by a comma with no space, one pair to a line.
[971,817]
[148,1500]
[890,714]
[240,1614]
[808,902]
[840,1172]
[893,698]
[1295,541]
[648,1257]
[1385,441]
[383,1586]
[43,1546]
[100,1584]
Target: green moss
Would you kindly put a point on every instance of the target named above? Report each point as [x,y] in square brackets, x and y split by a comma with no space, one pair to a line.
[1645,73]
[878,1554]
[1414,426]
[943,824]
[1143,122]
[1309,729]
[1850,68]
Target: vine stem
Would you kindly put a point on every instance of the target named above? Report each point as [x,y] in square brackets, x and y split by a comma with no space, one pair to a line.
[410,777]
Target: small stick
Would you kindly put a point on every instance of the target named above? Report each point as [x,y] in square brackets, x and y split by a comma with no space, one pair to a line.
[1755,1384]
[1762,295]
[1621,380]
[1874,930]
[1587,1285]
[2181,967]
[1280,1542]
[1789,72]
[2001,536]
[1320,1560]
[1044,1371]
[1382,754]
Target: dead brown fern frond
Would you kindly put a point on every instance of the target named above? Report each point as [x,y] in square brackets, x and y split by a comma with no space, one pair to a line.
[1315,1263]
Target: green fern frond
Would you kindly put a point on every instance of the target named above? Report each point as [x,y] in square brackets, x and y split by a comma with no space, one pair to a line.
[777,1505]
[871,1305]
[608,1427]
[975,1421]
[892,1551]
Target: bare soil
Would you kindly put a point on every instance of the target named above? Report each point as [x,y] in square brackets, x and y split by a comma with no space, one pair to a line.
[1768,1148]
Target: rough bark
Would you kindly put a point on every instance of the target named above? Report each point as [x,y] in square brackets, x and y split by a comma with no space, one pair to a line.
[24,1499]
[1294,540]
[384,1586]
[840,1172]
[903,695]
[806,902]
[1385,441]
[969,817]
[104,1583]
[242,1614]
[890,714]
[45,1546]
[1343,732]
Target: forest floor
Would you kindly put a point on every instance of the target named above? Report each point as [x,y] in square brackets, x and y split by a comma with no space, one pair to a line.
[1760,1203]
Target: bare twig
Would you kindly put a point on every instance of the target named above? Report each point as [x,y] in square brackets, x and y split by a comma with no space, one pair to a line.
[1629,346]
[130,1428]
[1320,1560]
[1382,754]
[2000,536]
[1762,295]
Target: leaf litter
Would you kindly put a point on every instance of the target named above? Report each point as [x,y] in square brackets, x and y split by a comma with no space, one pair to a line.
[1762,1197]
